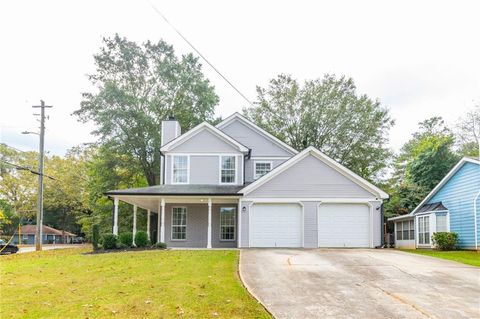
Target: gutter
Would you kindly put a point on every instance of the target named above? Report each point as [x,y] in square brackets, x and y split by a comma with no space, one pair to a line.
[475,219]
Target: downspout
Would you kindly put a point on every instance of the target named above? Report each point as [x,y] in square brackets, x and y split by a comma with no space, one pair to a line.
[475,219]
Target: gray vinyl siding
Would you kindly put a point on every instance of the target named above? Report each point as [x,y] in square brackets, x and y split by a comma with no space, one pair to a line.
[310,177]
[258,143]
[244,223]
[377,223]
[170,130]
[204,142]
[197,226]
[204,169]
[310,227]
[249,166]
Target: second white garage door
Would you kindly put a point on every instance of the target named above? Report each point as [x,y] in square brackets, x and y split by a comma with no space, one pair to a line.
[343,225]
[276,225]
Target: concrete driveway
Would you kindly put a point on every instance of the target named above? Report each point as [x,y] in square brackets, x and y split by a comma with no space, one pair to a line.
[363,283]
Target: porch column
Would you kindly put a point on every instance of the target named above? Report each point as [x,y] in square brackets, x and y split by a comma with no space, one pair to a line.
[134,231]
[158,221]
[115,216]
[148,223]
[162,227]
[209,229]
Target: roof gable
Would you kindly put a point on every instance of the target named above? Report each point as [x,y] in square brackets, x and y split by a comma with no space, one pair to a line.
[338,174]
[445,180]
[238,118]
[210,133]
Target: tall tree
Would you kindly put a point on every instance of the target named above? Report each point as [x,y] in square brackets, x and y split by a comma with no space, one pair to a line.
[329,114]
[468,133]
[138,86]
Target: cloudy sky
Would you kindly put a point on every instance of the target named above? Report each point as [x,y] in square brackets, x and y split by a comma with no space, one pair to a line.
[419,58]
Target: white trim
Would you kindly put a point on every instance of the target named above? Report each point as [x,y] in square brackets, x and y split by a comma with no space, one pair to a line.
[445,180]
[203,154]
[134,228]
[115,216]
[275,202]
[325,159]
[239,236]
[242,174]
[309,199]
[171,224]
[270,157]
[237,115]
[161,219]
[255,177]
[172,179]
[220,169]
[148,224]
[199,128]
[475,226]
[234,224]
[209,225]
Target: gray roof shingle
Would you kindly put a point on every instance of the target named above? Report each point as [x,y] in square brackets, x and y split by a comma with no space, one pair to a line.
[179,190]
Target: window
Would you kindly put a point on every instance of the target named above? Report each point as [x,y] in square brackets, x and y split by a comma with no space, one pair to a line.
[179,223]
[227,223]
[405,230]
[180,169]
[399,231]
[412,229]
[442,223]
[262,168]
[424,230]
[227,175]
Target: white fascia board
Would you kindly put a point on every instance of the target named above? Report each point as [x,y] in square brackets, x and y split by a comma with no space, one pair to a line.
[324,158]
[401,217]
[445,180]
[199,128]
[257,128]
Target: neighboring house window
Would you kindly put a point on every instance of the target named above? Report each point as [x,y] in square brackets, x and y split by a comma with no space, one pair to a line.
[399,231]
[412,229]
[227,174]
[179,223]
[227,223]
[442,223]
[180,169]
[262,168]
[424,230]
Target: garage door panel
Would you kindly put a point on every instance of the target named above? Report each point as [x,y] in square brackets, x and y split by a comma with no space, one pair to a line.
[276,225]
[343,225]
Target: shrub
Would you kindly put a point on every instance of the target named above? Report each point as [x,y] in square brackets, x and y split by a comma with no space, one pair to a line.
[126,239]
[160,245]
[95,236]
[445,240]
[109,241]
[141,239]
[121,245]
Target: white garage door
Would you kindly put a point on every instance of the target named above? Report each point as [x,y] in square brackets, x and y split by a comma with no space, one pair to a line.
[275,225]
[343,225]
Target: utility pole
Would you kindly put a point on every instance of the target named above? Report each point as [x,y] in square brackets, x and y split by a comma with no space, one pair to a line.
[39,233]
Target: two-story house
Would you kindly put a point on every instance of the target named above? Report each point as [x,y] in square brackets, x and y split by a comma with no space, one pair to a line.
[236,185]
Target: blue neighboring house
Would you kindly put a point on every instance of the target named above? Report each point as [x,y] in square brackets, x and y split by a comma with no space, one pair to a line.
[453,205]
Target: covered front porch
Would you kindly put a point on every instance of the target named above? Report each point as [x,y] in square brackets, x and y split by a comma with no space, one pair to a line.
[203,216]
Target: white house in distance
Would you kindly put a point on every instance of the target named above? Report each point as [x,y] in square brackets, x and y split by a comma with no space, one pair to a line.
[236,185]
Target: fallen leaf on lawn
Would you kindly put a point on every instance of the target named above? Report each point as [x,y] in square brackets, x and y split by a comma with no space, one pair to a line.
[214,314]
[201,295]
[114,312]
[228,300]
[148,302]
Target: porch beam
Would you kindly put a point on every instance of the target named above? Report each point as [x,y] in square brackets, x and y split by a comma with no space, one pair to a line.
[148,223]
[209,229]
[115,216]
[162,227]
[134,231]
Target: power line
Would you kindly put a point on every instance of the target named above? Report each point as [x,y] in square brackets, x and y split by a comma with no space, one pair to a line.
[200,54]
[25,168]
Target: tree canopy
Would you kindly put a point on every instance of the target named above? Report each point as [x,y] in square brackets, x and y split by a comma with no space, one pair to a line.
[138,86]
[329,114]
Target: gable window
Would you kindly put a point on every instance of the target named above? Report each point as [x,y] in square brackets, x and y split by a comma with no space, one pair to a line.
[424,230]
[262,168]
[180,169]
[442,223]
[227,169]
[227,223]
[179,223]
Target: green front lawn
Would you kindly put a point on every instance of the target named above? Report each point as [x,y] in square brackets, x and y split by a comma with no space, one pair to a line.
[461,256]
[148,284]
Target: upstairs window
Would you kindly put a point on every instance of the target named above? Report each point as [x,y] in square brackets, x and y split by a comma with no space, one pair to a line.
[262,168]
[227,169]
[180,169]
